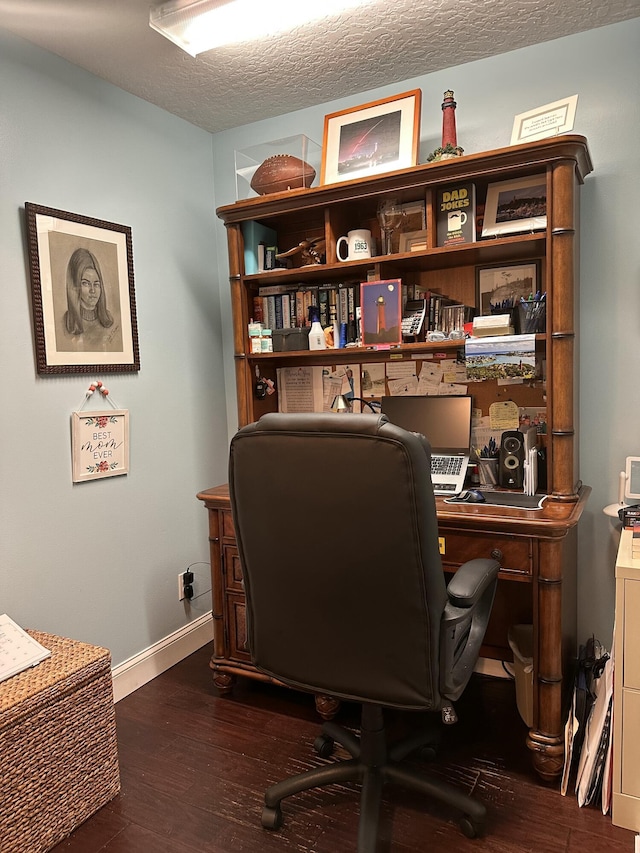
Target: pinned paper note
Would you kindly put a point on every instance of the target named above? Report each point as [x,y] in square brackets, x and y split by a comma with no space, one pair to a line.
[504,415]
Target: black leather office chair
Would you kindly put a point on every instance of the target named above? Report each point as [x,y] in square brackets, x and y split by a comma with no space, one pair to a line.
[338,538]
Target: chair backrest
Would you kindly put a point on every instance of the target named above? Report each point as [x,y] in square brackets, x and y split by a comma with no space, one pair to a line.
[337,532]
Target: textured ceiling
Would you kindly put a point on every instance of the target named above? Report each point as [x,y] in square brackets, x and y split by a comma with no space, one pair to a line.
[387,41]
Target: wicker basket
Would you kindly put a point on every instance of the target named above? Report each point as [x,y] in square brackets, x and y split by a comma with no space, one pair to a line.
[58,748]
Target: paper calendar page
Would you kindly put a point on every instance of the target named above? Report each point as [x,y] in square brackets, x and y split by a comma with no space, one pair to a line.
[18,650]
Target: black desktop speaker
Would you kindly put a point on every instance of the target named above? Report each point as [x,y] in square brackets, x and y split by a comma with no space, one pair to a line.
[511,460]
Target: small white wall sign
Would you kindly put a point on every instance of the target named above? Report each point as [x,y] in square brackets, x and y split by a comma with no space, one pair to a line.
[548,120]
[99,444]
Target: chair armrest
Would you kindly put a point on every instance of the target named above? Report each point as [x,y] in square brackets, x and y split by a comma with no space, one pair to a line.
[470,581]
[464,622]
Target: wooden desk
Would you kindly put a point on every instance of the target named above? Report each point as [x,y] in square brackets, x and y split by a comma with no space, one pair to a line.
[537,585]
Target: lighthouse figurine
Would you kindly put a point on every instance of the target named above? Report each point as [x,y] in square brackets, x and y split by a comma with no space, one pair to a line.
[450,147]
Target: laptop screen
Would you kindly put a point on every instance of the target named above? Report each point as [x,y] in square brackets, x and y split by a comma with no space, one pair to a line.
[445,421]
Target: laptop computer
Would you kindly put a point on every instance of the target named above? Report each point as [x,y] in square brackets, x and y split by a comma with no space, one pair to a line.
[446,423]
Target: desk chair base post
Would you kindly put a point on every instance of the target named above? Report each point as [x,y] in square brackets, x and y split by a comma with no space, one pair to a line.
[373,764]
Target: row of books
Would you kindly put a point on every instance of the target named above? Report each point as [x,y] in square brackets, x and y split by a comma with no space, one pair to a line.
[443,314]
[290,306]
[282,306]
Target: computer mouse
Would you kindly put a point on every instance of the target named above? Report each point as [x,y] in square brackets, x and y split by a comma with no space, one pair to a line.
[474,496]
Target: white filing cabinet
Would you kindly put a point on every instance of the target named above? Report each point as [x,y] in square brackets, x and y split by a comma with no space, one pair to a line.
[626,693]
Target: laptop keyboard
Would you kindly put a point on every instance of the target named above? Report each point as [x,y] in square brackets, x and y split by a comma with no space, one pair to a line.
[449,465]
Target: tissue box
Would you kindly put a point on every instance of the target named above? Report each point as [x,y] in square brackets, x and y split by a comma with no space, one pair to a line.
[290,340]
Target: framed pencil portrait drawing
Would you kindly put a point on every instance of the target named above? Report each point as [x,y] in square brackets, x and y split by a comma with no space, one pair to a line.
[377,137]
[82,289]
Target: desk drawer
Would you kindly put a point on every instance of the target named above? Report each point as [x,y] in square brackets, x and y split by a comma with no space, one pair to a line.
[515,552]
[232,568]
[237,625]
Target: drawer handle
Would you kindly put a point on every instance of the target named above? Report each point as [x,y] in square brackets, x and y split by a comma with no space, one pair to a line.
[497,554]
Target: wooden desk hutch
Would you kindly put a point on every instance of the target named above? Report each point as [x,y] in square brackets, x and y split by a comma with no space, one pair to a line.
[537,549]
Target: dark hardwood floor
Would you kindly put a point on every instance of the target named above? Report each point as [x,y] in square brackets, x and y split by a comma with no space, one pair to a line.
[194,767]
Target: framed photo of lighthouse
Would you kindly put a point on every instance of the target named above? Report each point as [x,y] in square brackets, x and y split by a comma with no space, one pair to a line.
[381,313]
[377,137]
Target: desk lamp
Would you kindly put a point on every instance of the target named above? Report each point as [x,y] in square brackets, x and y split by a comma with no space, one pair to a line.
[344,405]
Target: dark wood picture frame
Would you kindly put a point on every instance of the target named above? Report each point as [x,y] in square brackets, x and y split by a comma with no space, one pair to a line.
[377,137]
[516,206]
[82,290]
[500,283]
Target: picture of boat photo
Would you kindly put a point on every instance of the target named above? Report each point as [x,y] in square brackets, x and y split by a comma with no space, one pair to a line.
[523,203]
[504,357]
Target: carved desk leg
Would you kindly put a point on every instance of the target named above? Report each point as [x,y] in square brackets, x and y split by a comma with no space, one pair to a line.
[546,737]
[224,681]
[327,706]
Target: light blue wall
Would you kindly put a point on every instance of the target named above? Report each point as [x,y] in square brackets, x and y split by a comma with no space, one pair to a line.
[601,66]
[98,561]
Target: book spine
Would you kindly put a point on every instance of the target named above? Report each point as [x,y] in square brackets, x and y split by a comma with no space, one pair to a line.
[286,310]
[273,289]
[456,214]
[306,304]
[258,316]
[261,251]
[271,312]
[270,262]
[343,305]
[277,300]
[300,321]
[323,304]
[352,303]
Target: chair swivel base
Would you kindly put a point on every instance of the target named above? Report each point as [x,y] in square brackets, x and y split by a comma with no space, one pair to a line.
[372,764]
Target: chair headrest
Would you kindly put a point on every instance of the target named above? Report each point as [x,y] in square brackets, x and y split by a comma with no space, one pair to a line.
[321,422]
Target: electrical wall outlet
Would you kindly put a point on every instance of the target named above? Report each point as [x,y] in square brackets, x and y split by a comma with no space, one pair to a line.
[200,582]
[181,595]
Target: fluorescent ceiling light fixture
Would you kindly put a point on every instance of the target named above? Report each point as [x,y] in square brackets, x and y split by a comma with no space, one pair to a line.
[199,25]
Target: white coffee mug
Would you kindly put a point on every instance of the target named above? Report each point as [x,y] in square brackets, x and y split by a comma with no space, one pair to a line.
[456,219]
[358,245]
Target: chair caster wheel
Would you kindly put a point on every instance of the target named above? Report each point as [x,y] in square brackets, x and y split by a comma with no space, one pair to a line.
[323,745]
[272,818]
[470,828]
[428,753]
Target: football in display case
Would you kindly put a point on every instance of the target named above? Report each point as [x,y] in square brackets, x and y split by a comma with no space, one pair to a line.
[276,166]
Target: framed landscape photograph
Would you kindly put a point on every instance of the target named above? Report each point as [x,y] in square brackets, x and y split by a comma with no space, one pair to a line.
[413,241]
[516,206]
[381,310]
[504,286]
[82,289]
[377,137]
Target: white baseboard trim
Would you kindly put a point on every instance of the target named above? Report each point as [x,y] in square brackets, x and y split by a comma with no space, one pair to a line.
[164,654]
[144,667]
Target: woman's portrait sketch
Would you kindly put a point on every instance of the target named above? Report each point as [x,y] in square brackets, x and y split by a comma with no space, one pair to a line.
[84,304]
[87,316]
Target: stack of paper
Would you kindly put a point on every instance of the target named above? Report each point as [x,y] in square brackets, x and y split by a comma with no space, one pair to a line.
[588,732]
[18,650]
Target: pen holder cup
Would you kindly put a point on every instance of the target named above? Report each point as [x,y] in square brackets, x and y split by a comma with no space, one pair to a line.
[532,317]
[488,471]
